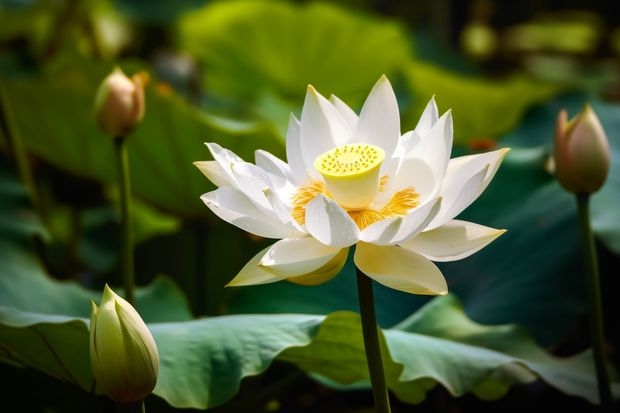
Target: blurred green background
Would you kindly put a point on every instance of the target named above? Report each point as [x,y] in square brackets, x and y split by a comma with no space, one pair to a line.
[232,72]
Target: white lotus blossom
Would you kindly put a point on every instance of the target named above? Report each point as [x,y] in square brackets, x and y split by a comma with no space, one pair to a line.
[355,181]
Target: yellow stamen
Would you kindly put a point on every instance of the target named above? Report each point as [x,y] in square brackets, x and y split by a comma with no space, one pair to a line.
[400,204]
[383,183]
[303,196]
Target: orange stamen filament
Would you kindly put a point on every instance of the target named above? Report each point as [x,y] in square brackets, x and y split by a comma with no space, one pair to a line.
[400,204]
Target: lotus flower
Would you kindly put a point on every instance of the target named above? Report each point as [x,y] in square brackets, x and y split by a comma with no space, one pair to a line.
[355,181]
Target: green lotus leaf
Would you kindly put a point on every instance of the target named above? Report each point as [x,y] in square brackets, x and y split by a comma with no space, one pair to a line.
[161,149]
[248,49]
[482,109]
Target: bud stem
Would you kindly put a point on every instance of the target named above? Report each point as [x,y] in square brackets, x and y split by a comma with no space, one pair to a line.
[126,230]
[597,334]
[372,345]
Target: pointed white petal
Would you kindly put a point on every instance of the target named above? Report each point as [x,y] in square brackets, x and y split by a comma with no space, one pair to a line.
[393,231]
[297,256]
[252,273]
[428,154]
[222,155]
[379,120]
[347,113]
[417,173]
[225,159]
[322,127]
[452,241]
[293,151]
[458,197]
[470,164]
[234,207]
[466,178]
[330,224]
[428,119]
[278,170]
[400,269]
[214,172]
[282,210]
[325,273]
[252,181]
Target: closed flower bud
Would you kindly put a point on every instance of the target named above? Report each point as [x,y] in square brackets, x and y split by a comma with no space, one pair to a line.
[119,103]
[123,354]
[581,152]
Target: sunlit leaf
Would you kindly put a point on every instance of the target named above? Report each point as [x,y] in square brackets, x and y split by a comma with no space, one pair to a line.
[482,109]
[440,345]
[203,361]
[250,48]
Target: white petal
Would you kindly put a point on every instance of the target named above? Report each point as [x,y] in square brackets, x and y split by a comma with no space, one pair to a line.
[428,154]
[400,269]
[322,127]
[252,181]
[391,165]
[252,273]
[214,172]
[394,231]
[458,197]
[330,224]
[297,256]
[467,164]
[428,119]
[453,241]
[225,159]
[293,151]
[223,156]
[347,113]
[325,273]
[278,170]
[234,207]
[282,210]
[379,120]
[418,174]
[466,178]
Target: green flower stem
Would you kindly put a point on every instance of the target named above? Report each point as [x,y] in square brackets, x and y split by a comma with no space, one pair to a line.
[137,407]
[594,301]
[126,230]
[371,343]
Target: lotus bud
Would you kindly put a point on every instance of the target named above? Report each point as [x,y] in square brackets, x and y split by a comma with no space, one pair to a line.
[119,103]
[581,152]
[123,354]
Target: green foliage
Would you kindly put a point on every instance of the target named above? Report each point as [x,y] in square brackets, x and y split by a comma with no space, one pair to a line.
[482,109]
[508,304]
[450,349]
[538,130]
[249,48]
[161,149]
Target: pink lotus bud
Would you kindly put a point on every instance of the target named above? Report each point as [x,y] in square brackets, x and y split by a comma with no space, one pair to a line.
[119,103]
[581,152]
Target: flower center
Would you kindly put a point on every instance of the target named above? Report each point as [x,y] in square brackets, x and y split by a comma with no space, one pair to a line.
[351,173]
